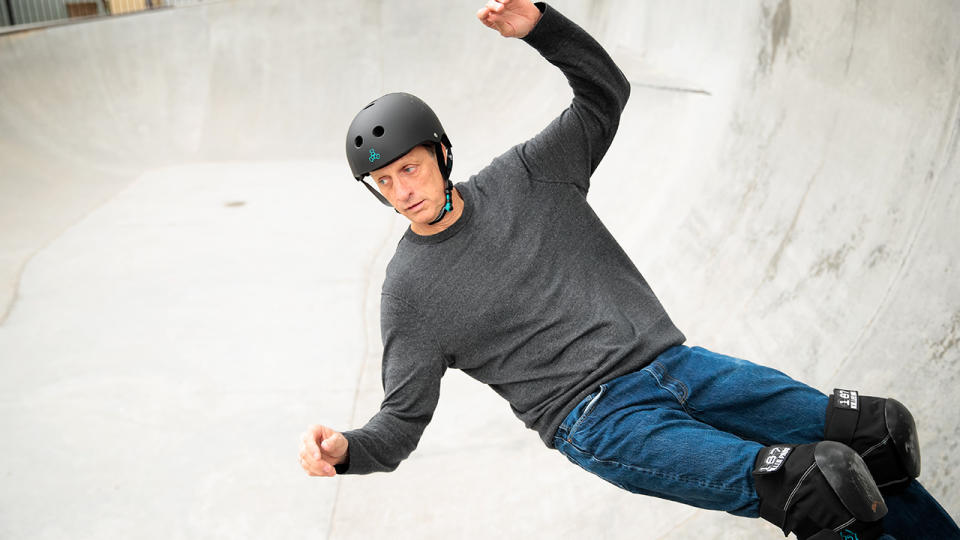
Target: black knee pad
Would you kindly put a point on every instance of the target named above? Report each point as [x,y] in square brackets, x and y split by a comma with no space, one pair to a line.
[820,488]
[881,430]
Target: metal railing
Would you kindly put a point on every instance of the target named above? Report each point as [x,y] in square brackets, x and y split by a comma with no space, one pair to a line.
[33,12]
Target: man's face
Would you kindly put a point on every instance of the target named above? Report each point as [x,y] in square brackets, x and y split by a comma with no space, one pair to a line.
[413,185]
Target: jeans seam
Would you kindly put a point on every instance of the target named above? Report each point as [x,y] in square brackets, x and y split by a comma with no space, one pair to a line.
[684,391]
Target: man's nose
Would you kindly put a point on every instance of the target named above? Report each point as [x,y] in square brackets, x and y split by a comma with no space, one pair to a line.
[403,189]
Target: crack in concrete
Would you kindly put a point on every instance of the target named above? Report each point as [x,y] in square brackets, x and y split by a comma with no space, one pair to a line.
[15,294]
[18,277]
[853,37]
[369,290]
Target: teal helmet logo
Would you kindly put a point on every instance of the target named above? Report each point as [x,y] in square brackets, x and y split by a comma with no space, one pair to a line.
[374,155]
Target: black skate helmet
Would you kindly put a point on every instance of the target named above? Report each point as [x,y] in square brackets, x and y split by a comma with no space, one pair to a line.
[387,129]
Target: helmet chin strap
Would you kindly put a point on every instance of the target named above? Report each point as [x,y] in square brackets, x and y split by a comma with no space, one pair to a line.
[447,184]
[446,207]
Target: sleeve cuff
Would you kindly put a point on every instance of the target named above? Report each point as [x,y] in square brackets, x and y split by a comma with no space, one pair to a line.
[551,21]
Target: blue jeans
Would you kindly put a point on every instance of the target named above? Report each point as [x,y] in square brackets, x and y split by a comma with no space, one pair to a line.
[688,427]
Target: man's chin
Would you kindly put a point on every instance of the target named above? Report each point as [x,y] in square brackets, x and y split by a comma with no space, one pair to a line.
[420,214]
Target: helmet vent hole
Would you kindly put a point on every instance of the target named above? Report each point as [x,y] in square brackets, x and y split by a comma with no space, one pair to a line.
[378,131]
[358,141]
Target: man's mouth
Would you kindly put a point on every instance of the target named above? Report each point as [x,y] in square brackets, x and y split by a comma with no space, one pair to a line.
[414,206]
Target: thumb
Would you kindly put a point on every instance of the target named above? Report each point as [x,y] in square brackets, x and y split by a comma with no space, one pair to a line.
[334,444]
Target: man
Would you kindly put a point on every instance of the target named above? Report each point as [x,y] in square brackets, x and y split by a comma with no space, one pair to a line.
[512,278]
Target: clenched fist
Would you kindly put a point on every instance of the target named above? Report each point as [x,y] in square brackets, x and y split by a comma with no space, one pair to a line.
[320,449]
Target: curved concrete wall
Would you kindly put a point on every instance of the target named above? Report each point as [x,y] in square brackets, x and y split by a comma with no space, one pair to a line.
[184,283]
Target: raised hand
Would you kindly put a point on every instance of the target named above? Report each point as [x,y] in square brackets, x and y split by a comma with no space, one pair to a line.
[512,18]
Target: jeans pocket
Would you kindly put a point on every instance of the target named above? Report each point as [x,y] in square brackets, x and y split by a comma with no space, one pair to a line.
[586,411]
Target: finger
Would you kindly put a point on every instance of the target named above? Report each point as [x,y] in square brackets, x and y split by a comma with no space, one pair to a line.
[488,17]
[310,458]
[494,6]
[491,20]
[310,440]
[333,444]
[316,468]
[311,462]
[305,442]
[321,468]
[307,457]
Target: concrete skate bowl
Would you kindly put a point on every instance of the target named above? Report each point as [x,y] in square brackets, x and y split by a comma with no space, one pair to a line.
[188,275]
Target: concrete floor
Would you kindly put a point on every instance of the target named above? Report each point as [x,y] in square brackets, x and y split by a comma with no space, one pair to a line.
[185,283]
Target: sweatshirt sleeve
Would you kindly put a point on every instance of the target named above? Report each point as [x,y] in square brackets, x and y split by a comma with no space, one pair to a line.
[570,148]
[412,369]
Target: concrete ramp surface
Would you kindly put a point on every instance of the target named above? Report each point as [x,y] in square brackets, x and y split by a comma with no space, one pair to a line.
[189,276]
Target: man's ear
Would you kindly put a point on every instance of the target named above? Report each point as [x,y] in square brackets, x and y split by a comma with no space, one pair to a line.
[444,147]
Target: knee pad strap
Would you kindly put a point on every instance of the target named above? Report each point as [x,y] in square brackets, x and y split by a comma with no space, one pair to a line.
[843,414]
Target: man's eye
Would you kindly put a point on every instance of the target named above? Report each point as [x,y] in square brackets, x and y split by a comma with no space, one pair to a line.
[409,169]
[382,181]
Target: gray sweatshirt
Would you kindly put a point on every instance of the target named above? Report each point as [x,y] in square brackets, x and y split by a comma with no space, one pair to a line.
[527,292]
